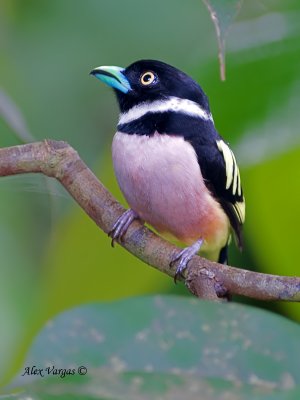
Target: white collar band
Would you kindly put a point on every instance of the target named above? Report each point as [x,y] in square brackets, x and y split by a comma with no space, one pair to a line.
[175,104]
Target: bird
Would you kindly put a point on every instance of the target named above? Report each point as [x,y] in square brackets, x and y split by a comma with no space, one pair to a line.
[174,169]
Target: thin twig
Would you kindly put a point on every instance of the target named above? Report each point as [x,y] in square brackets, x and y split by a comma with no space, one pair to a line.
[205,279]
[221,33]
[11,114]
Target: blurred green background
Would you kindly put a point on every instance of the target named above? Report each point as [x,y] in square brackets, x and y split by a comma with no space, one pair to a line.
[52,256]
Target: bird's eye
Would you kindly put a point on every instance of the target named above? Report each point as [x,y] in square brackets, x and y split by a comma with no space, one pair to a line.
[147,78]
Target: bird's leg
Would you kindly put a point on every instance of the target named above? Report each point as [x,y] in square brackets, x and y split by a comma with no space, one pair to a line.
[121,225]
[184,256]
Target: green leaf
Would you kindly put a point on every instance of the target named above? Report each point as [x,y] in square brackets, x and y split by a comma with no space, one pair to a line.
[164,347]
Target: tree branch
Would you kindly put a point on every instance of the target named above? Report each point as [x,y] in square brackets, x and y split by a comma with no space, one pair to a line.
[204,278]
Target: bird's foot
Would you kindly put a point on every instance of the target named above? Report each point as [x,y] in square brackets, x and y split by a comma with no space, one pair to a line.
[184,256]
[121,225]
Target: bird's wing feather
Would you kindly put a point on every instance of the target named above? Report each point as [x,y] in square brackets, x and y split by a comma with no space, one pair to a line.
[221,174]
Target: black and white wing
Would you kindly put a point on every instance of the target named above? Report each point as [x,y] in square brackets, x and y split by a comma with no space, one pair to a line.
[221,174]
[232,200]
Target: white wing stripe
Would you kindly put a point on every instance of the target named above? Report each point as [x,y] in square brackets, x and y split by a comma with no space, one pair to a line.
[228,161]
[235,173]
[239,186]
[232,171]
[240,210]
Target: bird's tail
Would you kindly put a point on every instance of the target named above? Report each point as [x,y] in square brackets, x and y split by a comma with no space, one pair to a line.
[223,256]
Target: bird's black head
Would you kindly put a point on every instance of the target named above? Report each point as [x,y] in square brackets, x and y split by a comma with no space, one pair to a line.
[150,80]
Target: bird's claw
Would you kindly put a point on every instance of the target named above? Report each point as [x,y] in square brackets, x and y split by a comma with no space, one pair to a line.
[183,261]
[121,225]
[184,256]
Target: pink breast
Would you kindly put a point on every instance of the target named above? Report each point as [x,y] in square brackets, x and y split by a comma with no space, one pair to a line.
[161,180]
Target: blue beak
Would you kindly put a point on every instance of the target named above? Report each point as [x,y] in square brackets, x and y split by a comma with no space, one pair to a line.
[112,76]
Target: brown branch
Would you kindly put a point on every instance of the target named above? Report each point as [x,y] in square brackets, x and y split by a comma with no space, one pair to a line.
[204,278]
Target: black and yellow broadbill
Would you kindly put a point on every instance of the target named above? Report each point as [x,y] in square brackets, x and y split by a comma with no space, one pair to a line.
[174,169]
